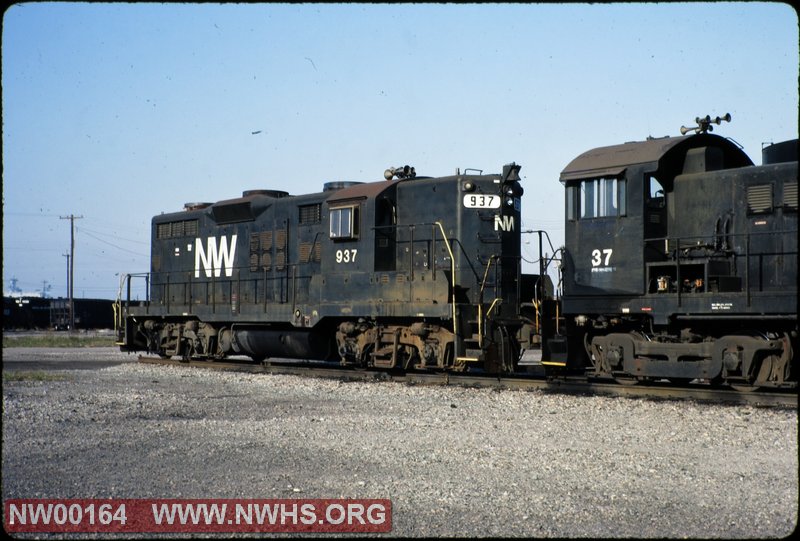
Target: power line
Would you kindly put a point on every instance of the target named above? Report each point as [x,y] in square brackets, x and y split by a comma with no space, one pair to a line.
[34,214]
[85,232]
[84,229]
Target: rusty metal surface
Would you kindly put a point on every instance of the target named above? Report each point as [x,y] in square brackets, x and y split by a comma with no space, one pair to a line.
[361,191]
[612,160]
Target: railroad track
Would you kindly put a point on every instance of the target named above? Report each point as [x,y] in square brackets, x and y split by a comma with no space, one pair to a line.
[663,391]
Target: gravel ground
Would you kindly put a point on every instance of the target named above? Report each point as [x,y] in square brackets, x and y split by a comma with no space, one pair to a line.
[454,462]
[55,358]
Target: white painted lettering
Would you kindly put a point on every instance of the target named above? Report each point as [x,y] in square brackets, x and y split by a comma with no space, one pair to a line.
[212,258]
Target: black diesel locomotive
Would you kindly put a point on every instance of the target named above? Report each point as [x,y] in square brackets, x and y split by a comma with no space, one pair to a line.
[680,262]
[409,272]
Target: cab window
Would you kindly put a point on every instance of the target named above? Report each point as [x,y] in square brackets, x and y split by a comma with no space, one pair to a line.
[598,198]
[344,222]
[655,193]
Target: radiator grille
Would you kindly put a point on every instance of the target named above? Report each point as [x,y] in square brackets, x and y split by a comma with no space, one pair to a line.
[310,214]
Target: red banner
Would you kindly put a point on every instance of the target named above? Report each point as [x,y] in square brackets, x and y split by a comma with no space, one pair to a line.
[198,515]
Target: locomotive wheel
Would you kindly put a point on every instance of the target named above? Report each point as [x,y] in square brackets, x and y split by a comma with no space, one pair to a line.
[742,388]
[764,371]
[364,359]
[627,380]
[771,370]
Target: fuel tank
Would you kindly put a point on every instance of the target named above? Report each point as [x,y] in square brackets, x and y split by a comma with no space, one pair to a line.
[262,343]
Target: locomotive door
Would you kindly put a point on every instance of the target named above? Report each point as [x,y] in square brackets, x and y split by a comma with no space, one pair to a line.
[385,235]
[603,235]
[655,219]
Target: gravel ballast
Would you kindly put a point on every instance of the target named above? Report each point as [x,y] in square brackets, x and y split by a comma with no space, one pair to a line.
[453,461]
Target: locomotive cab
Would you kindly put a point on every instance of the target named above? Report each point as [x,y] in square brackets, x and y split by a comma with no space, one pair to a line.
[664,270]
[618,202]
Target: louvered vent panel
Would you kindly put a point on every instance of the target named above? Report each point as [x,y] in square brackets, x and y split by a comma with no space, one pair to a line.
[790,195]
[759,198]
[191,227]
[178,229]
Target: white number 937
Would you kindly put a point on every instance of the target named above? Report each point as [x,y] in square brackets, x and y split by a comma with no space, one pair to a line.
[346,256]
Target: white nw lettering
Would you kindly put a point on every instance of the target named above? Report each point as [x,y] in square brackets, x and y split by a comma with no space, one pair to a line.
[212,259]
[506,223]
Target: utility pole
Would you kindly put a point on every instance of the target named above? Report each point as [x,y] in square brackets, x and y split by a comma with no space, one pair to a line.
[71,263]
[61,317]
[67,256]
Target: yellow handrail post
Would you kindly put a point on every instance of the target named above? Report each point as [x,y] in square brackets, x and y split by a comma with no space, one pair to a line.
[453,277]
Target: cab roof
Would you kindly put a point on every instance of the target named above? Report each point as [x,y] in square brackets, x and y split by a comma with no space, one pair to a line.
[664,152]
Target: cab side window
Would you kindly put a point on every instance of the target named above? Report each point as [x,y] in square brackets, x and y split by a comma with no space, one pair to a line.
[597,198]
[344,222]
[655,193]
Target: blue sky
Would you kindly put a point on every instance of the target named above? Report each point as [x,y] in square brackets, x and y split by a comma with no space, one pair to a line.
[117,112]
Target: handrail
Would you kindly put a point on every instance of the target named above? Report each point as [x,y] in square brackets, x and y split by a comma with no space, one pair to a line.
[480,299]
[453,278]
[746,234]
[486,273]
[746,268]
[495,301]
[117,307]
[122,304]
[680,243]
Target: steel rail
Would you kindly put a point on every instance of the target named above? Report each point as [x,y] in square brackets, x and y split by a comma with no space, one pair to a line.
[573,385]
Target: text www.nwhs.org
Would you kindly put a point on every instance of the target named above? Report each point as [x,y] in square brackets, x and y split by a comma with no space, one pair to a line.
[199,515]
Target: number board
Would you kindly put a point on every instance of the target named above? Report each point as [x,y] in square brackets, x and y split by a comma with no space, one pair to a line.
[481,201]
